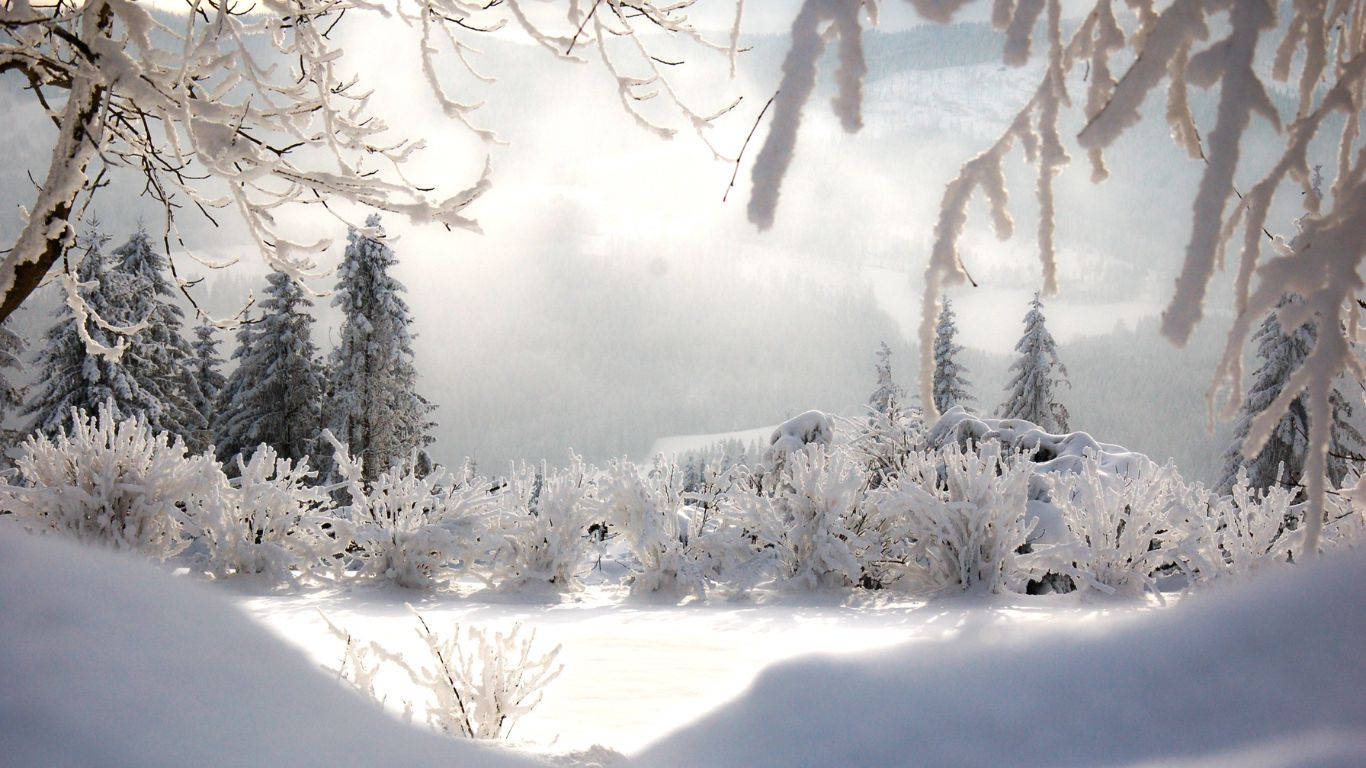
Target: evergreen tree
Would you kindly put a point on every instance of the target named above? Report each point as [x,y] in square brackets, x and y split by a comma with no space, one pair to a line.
[950,381]
[206,368]
[1281,460]
[227,442]
[158,357]
[376,409]
[70,377]
[12,349]
[1036,375]
[886,399]
[275,395]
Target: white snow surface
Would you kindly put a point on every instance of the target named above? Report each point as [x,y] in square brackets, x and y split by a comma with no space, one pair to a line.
[109,661]
[677,445]
[800,431]
[1265,674]
[1054,453]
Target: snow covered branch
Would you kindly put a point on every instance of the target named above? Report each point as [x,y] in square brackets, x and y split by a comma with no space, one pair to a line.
[256,110]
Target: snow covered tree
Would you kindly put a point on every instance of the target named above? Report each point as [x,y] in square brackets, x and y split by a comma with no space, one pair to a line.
[206,368]
[12,349]
[1281,461]
[158,357]
[950,382]
[1035,376]
[1258,41]
[275,395]
[226,441]
[375,408]
[886,399]
[157,91]
[72,376]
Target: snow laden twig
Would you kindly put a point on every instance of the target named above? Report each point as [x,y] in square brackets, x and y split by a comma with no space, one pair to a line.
[256,111]
[799,80]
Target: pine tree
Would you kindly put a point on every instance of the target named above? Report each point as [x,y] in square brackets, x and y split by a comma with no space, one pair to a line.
[1036,375]
[206,368]
[1281,460]
[70,377]
[950,381]
[158,357]
[227,442]
[376,409]
[886,399]
[275,395]
[12,349]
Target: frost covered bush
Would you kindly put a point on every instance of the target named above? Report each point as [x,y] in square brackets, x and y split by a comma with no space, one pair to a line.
[1122,528]
[670,539]
[407,528]
[956,519]
[480,683]
[483,682]
[1247,531]
[541,525]
[115,483]
[809,428]
[805,521]
[271,519]
[884,442]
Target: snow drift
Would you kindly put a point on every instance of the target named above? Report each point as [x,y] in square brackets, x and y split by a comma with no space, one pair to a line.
[1267,673]
[109,661]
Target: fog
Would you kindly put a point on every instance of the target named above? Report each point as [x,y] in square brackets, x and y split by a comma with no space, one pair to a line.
[613,297]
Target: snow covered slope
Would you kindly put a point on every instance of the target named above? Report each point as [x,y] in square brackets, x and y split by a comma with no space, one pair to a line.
[1264,674]
[108,661]
[676,445]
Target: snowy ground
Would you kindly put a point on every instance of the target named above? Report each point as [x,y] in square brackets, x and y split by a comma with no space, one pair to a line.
[633,671]
[110,661]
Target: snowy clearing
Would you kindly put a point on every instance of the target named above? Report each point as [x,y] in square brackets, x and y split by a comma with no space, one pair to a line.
[1263,674]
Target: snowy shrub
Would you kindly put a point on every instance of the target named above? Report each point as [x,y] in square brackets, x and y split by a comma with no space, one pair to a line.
[480,683]
[805,521]
[270,520]
[661,530]
[361,662]
[885,440]
[542,525]
[1123,528]
[1246,531]
[809,428]
[409,528]
[483,682]
[113,482]
[955,520]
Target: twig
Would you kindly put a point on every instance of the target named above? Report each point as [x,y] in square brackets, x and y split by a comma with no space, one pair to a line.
[739,156]
[579,31]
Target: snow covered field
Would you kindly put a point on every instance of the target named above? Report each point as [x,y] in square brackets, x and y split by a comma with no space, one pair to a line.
[114,662]
[636,671]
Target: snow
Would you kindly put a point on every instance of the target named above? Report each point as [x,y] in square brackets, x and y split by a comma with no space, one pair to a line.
[1052,453]
[801,430]
[678,445]
[1256,674]
[111,662]
[1263,674]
